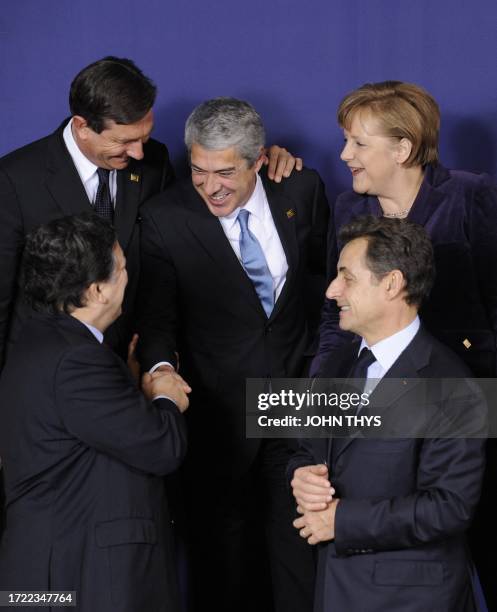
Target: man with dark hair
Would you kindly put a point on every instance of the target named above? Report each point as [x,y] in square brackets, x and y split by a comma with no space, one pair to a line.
[392,511]
[83,450]
[102,158]
[233,273]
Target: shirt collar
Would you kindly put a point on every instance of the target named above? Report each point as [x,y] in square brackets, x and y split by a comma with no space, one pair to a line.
[255,205]
[388,350]
[96,332]
[86,169]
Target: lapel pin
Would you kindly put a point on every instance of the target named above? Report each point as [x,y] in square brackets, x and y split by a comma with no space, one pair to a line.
[135,178]
[290,213]
[466,343]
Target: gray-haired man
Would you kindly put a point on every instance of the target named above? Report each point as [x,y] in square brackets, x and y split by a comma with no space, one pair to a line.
[233,273]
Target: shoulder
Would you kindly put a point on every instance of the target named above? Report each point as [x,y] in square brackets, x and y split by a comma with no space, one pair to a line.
[306,179]
[155,151]
[175,200]
[459,181]
[30,156]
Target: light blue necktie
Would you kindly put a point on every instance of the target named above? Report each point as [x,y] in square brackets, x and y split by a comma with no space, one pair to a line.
[255,264]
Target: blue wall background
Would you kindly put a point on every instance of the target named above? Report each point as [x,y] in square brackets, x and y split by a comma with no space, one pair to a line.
[293,60]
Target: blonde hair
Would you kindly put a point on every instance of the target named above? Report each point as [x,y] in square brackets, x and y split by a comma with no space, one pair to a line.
[402,110]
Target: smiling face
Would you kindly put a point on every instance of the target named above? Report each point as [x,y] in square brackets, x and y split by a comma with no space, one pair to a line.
[360,296]
[113,147]
[373,159]
[222,178]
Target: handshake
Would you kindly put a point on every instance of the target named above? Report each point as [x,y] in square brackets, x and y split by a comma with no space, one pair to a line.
[164,381]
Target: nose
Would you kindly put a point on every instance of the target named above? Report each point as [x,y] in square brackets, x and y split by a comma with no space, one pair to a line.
[334,289]
[212,183]
[135,149]
[346,154]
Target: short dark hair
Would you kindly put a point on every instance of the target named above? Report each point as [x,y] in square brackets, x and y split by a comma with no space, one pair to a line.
[112,88]
[63,258]
[396,244]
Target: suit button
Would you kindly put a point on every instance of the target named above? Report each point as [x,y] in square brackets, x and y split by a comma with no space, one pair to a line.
[269,329]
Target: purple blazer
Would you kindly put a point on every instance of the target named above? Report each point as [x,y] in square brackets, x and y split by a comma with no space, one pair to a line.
[459,211]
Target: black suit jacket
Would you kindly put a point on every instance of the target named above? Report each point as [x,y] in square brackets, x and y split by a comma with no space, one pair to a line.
[38,183]
[196,299]
[83,455]
[405,503]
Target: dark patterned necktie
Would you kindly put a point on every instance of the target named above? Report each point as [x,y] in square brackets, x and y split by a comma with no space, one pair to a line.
[255,264]
[103,200]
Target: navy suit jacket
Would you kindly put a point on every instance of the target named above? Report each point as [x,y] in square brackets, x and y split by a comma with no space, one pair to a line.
[84,454]
[38,183]
[196,299]
[405,503]
[459,212]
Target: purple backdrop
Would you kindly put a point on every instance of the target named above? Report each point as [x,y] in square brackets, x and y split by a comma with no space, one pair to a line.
[293,60]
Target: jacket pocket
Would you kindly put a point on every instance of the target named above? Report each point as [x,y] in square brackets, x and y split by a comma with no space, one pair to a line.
[408,573]
[125,531]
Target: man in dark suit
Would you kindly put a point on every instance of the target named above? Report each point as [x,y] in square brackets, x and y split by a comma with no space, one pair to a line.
[232,270]
[84,451]
[391,513]
[101,158]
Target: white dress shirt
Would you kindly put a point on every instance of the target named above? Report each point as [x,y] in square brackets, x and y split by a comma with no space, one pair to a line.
[261,224]
[87,170]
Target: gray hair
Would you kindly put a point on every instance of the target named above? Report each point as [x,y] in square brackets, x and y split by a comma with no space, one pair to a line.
[223,123]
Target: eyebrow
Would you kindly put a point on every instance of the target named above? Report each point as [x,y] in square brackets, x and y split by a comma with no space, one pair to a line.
[228,169]
[345,269]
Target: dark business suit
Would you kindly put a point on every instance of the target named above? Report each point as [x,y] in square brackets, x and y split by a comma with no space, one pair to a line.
[459,212]
[38,183]
[83,456]
[405,503]
[197,300]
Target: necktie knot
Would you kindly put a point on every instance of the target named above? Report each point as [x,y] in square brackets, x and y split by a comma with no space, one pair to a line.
[362,363]
[243,216]
[103,175]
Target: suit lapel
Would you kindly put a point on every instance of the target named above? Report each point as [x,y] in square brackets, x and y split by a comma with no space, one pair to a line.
[406,369]
[209,233]
[129,183]
[283,211]
[428,199]
[62,179]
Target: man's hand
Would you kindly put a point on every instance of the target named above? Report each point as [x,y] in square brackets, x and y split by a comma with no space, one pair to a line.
[311,487]
[318,526]
[280,163]
[169,384]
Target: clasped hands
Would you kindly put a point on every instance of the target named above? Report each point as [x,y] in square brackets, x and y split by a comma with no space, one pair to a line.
[315,503]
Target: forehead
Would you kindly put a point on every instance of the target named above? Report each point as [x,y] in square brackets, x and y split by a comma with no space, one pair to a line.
[363,122]
[353,255]
[129,131]
[214,160]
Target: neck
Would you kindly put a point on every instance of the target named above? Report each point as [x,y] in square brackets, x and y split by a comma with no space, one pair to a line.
[392,324]
[86,315]
[404,190]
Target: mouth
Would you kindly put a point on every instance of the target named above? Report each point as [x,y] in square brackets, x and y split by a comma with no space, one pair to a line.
[343,308]
[219,198]
[355,171]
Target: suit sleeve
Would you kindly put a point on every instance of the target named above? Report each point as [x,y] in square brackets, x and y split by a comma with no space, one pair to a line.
[168,174]
[100,405]
[11,244]
[157,297]
[448,488]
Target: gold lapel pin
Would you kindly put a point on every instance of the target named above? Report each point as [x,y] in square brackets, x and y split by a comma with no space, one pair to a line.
[290,213]
[134,177]
[466,343]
